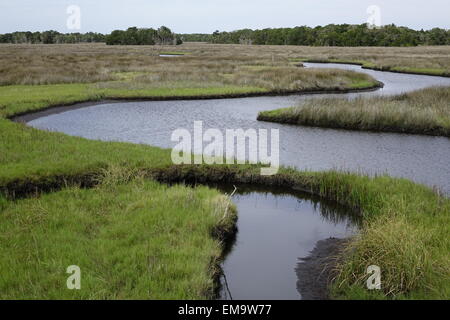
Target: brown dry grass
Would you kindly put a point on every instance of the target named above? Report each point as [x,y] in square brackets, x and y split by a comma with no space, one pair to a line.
[205,65]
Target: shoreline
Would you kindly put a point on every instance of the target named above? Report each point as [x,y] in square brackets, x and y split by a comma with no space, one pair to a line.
[26,116]
[375,68]
[269,119]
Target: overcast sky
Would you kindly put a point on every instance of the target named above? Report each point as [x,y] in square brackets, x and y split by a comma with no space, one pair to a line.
[206,16]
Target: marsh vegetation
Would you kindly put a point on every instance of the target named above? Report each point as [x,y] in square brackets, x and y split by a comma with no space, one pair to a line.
[132,240]
[138,68]
[423,112]
[66,198]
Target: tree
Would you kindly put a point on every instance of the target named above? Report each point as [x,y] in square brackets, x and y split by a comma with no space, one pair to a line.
[165,36]
[115,37]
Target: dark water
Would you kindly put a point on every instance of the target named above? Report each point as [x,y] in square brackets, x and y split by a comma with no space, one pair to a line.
[419,158]
[275,229]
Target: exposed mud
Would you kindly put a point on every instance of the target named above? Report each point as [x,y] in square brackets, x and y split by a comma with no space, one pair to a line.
[316,271]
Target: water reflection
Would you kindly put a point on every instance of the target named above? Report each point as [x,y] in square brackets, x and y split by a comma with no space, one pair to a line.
[275,229]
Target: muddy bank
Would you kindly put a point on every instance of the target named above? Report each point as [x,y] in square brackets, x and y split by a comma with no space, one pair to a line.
[28,116]
[55,109]
[315,272]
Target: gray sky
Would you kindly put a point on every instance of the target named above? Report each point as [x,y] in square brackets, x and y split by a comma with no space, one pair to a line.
[205,16]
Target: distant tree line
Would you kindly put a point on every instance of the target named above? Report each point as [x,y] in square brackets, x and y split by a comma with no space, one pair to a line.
[336,35]
[196,37]
[147,36]
[330,35]
[50,37]
[131,36]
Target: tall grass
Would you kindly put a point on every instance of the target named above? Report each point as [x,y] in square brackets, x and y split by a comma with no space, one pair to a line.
[406,235]
[134,240]
[88,63]
[425,111]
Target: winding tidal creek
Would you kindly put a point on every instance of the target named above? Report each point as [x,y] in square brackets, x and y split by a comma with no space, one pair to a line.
[276,229]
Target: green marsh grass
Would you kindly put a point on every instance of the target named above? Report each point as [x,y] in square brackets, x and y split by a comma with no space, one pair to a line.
[425,111]
[133,240]
[126,231]
[405,228]
[174,53]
